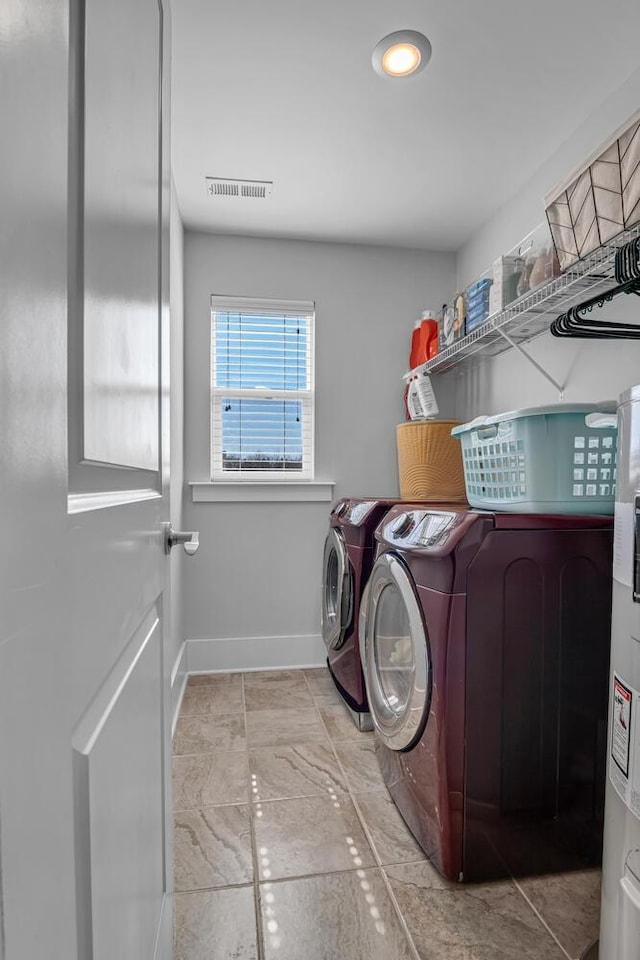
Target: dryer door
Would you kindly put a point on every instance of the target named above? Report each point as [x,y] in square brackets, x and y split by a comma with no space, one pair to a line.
[397,667]
[337,591]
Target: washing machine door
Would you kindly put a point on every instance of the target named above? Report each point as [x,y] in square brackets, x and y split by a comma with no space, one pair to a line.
[396,661]
[337,591]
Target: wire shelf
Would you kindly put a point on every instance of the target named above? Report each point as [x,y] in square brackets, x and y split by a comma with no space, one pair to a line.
[532,313]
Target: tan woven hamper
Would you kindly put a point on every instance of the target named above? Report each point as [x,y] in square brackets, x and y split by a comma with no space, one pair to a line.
[430,461]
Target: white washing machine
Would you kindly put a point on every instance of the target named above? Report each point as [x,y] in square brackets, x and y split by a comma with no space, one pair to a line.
[620,917]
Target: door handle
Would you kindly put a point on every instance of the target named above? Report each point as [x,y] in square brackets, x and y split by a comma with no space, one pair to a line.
[189,539]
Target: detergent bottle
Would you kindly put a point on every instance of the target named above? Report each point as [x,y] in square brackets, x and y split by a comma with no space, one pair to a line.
[424,339]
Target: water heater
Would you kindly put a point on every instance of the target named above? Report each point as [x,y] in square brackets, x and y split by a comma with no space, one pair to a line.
[620,918]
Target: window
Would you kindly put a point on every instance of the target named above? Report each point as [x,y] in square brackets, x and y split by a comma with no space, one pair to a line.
[262,400]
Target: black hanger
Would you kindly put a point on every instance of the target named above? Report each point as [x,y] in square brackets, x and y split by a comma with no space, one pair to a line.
[575,323]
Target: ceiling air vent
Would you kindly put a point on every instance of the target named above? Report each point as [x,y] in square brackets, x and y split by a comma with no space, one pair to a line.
[249,189]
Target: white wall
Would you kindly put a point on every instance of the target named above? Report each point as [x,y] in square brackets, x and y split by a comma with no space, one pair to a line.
[588,369]
[176,421]
[259,567]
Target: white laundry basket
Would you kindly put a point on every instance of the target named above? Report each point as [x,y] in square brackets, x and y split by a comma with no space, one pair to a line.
[554,459]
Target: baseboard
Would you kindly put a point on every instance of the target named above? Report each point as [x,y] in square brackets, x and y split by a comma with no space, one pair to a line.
[255,653]
[178,685]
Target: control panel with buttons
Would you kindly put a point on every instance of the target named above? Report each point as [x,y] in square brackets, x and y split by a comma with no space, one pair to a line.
[421,528]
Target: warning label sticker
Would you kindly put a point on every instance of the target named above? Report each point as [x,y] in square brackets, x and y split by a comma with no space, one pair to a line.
[621,735]
[624,758]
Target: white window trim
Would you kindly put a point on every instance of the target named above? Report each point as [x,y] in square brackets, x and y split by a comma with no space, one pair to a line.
[267,478]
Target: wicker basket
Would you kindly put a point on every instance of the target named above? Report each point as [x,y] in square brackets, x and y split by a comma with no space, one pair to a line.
[430,461]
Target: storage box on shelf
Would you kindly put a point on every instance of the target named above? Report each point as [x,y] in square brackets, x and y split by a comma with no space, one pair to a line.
[522,269]
[599,199]
[505,283]
[555,459]
[452,323]
[477,302]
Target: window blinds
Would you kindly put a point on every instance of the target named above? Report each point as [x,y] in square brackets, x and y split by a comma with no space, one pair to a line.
[262,390]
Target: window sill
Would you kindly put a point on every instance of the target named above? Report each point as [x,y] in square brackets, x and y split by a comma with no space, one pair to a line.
[261,491]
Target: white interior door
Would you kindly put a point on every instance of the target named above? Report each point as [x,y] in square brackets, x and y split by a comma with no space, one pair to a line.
[85,860]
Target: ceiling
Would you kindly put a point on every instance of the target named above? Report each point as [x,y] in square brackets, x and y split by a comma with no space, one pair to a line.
[284,90]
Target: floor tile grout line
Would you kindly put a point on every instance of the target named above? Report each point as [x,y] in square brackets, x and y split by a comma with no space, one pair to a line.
[257,915]
[379,866]
[252,802]
[244,703]
[228,886]
[315,705]
[313,876]
[212,716]
[258,919]
[213,806]
[207,715]
[213,713]
[528,901]
[213,684]
[404,863]
[300,796]
[297,876]
[539,916]
[210,753]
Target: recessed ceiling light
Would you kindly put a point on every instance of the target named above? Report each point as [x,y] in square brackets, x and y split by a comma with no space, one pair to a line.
[401,54]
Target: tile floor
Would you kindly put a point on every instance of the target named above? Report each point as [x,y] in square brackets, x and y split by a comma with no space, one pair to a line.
[288,846]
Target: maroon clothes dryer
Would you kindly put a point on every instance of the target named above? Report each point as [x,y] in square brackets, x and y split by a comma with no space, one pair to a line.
[486,652]
[348,558]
